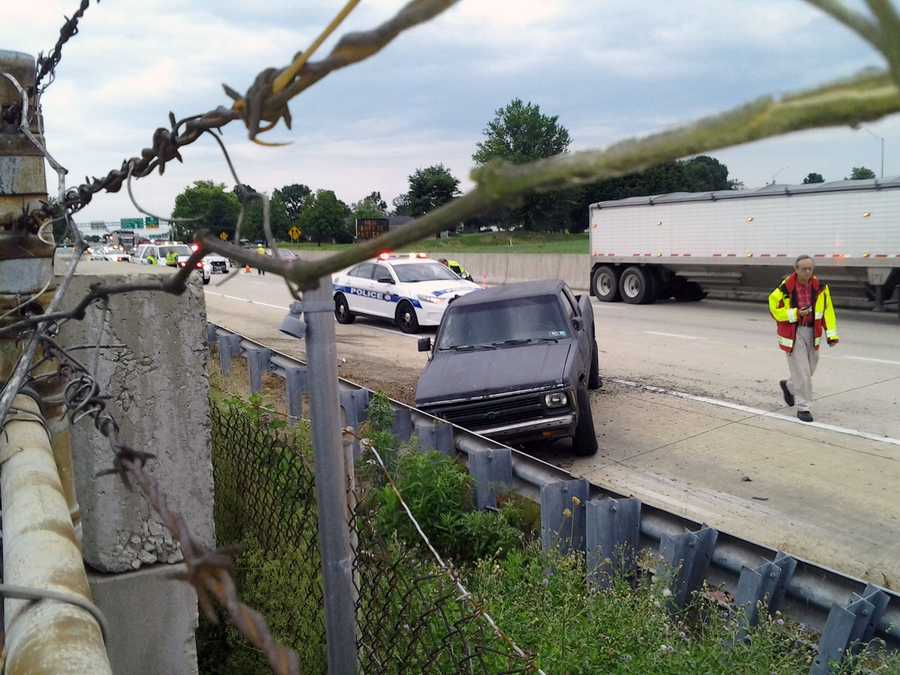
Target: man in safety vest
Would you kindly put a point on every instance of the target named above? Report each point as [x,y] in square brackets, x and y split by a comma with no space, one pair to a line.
[801,305]
[454,266]
[260,250]
[171,259]
[151,259]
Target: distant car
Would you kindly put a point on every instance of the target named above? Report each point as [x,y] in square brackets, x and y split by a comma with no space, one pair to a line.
[109,254]
[515,363]
[214,263]
[410,289]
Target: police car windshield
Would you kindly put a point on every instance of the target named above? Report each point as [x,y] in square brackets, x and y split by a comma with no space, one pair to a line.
[424,271]
[178,250]
[507,323]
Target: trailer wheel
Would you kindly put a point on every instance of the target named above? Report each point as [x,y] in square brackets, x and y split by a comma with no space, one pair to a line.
[605,284]
[636,286]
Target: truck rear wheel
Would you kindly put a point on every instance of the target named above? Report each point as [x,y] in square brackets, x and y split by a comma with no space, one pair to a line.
[637,287]
[605,284]
[584,443]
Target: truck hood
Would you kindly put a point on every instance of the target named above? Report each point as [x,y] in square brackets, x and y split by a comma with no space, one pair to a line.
[455,375]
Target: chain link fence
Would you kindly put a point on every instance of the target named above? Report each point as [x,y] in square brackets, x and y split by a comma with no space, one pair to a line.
[411,616]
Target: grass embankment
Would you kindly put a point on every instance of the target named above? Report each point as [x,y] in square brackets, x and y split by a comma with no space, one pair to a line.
[488,242]
[411,618]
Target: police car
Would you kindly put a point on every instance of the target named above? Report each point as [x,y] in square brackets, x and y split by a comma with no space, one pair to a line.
[411,289]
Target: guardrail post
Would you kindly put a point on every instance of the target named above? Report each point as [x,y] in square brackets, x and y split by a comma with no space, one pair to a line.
[687,556]
[258,362]
[295,378]
[563,515]
[424,431]
[766,583]
[848,627]
[612,532]
[443,438]
[403,424]
[755,586]
[229,346]
[355,404]
[212,335]
[489,467]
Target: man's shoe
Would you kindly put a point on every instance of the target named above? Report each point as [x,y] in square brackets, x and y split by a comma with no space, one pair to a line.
[788,396]
[805,416]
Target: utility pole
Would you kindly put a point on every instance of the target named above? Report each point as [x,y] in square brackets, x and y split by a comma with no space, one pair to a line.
[41,548]
[881,140]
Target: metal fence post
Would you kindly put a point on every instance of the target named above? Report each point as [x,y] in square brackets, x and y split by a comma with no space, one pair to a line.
[331,486]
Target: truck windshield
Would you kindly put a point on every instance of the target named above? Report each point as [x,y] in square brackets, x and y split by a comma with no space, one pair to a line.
[430,271]
[507,323]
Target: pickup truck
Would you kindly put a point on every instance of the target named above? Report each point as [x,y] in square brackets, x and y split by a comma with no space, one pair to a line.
[515,363]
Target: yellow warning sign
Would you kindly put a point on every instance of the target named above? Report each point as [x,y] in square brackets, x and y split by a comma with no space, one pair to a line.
[294,233]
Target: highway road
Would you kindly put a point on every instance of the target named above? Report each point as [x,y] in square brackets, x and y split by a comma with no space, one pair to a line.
[691,419]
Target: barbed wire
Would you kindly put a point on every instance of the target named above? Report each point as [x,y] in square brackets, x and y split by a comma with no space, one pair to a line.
[46,65]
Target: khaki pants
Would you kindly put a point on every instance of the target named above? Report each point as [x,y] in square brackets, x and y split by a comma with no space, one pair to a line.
[802,363]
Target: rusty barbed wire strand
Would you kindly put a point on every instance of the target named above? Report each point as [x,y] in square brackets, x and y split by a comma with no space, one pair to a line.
[259,103]
[46,65]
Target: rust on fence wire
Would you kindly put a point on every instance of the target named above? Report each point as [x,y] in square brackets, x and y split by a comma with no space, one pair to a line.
[259,103]
[411,614]
[46,65]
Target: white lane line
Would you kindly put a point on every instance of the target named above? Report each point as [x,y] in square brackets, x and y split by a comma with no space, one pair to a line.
[758,412]
[283,308]
[871,360]
[674,335]
[248,300]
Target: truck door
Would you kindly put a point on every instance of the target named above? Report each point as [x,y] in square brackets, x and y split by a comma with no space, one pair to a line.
[581,332]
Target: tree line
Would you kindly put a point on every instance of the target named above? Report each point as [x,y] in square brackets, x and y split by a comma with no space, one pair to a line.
[519,132]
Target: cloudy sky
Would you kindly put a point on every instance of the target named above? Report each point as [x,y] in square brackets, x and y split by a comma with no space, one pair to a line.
[609,69]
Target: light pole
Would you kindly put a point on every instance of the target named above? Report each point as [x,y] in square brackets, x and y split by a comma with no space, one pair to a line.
[880,138]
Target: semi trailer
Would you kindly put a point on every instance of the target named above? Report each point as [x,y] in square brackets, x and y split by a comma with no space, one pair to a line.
[738,244]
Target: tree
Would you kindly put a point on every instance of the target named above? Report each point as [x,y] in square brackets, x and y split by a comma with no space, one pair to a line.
[813,178]
[325,217]
[215,209]
[520,133]
[295,198]
[429,188]
[372,206]
[861,173]
[252,227]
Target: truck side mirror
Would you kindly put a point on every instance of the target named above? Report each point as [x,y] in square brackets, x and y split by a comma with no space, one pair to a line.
[425,344]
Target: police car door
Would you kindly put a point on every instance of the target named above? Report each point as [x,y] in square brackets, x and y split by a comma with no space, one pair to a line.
[384,287]
[359,288]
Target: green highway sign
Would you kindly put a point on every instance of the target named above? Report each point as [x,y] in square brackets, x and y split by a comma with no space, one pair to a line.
[151,222]
[131,223]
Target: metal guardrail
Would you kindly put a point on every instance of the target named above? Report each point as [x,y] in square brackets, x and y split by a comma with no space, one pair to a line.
[842,607]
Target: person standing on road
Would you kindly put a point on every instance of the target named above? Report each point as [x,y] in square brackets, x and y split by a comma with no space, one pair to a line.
[456,268]
[801,306]
[260,250]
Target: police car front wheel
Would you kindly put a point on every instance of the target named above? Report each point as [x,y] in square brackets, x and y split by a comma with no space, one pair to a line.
[406,318]
[342,311]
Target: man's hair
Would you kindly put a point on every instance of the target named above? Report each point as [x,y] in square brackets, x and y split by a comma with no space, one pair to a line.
[801,258]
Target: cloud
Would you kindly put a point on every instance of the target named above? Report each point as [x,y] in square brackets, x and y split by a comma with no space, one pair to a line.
[609,70]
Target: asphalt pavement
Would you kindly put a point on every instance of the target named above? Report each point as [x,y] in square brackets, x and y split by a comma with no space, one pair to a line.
[691,419]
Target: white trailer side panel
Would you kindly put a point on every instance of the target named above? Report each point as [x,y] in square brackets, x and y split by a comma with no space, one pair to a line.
[858,226]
